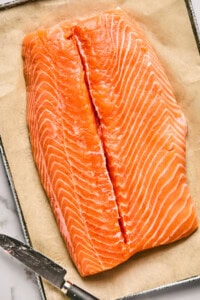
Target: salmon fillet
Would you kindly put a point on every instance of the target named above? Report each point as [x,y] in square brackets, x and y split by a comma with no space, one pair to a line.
[108,139]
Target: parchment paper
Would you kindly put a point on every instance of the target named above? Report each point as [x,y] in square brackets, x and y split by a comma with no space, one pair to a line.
[168,28]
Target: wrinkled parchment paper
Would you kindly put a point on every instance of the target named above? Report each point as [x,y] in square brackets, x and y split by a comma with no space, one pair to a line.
[168,28]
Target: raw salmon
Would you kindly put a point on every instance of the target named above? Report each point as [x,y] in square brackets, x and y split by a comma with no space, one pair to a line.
[108,139]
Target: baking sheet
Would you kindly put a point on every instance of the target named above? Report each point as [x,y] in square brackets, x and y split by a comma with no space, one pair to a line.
[167,25]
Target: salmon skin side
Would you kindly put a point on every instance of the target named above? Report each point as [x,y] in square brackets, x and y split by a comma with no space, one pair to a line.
[108,139]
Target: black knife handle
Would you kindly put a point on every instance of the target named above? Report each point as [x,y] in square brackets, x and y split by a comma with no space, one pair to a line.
[75,292]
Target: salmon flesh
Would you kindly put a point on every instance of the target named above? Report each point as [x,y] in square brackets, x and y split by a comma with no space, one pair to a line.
[108,139]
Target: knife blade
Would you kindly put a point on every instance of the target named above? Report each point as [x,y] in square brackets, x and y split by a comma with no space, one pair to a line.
[44,267]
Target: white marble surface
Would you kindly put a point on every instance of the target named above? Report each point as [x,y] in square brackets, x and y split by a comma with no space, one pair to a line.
[16,281]
[19,283]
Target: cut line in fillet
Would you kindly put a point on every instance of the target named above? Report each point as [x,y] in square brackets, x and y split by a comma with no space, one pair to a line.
[98,123]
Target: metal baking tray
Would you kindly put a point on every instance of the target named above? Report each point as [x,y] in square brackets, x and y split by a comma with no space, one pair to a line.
[162,292]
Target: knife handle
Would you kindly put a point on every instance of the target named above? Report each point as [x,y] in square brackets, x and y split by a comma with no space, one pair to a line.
[75,292]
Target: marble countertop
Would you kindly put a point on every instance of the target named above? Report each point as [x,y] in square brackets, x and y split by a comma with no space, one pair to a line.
[19,283]
[16,281]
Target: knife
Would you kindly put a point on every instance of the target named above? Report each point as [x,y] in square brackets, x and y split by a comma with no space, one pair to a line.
[44,267]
